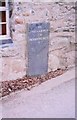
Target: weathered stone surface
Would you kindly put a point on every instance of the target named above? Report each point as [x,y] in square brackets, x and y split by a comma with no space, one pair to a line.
[6,68]
[19,21]
[0,69]
[20,28]
[17,65]
[14,68]
[18,50]
[59,42]
[38,48]
[26,14]
[61,16]
[70,58]
[53,63]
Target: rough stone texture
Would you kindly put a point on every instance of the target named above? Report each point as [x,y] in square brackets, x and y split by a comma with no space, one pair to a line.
[38,46]
[61,16]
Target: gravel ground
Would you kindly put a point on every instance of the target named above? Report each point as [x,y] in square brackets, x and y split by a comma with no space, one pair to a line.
[27,82]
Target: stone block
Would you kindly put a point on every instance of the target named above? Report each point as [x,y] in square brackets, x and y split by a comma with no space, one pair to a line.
[0,69]
[20,28]
[6,68]
[19,20]
[26,14]
[12,68]
[18,65]
[58,43]
[38,48]
[17,36]
[70,58]
[53,62]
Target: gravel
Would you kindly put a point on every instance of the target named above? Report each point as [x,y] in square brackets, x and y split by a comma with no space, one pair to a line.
[27,82]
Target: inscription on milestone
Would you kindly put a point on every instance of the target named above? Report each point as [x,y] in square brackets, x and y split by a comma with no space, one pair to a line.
[37,39]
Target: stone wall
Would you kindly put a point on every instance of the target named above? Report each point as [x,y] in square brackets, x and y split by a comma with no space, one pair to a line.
[61,16]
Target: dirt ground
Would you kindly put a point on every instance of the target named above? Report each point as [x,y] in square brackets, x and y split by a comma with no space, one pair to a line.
[27,82]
